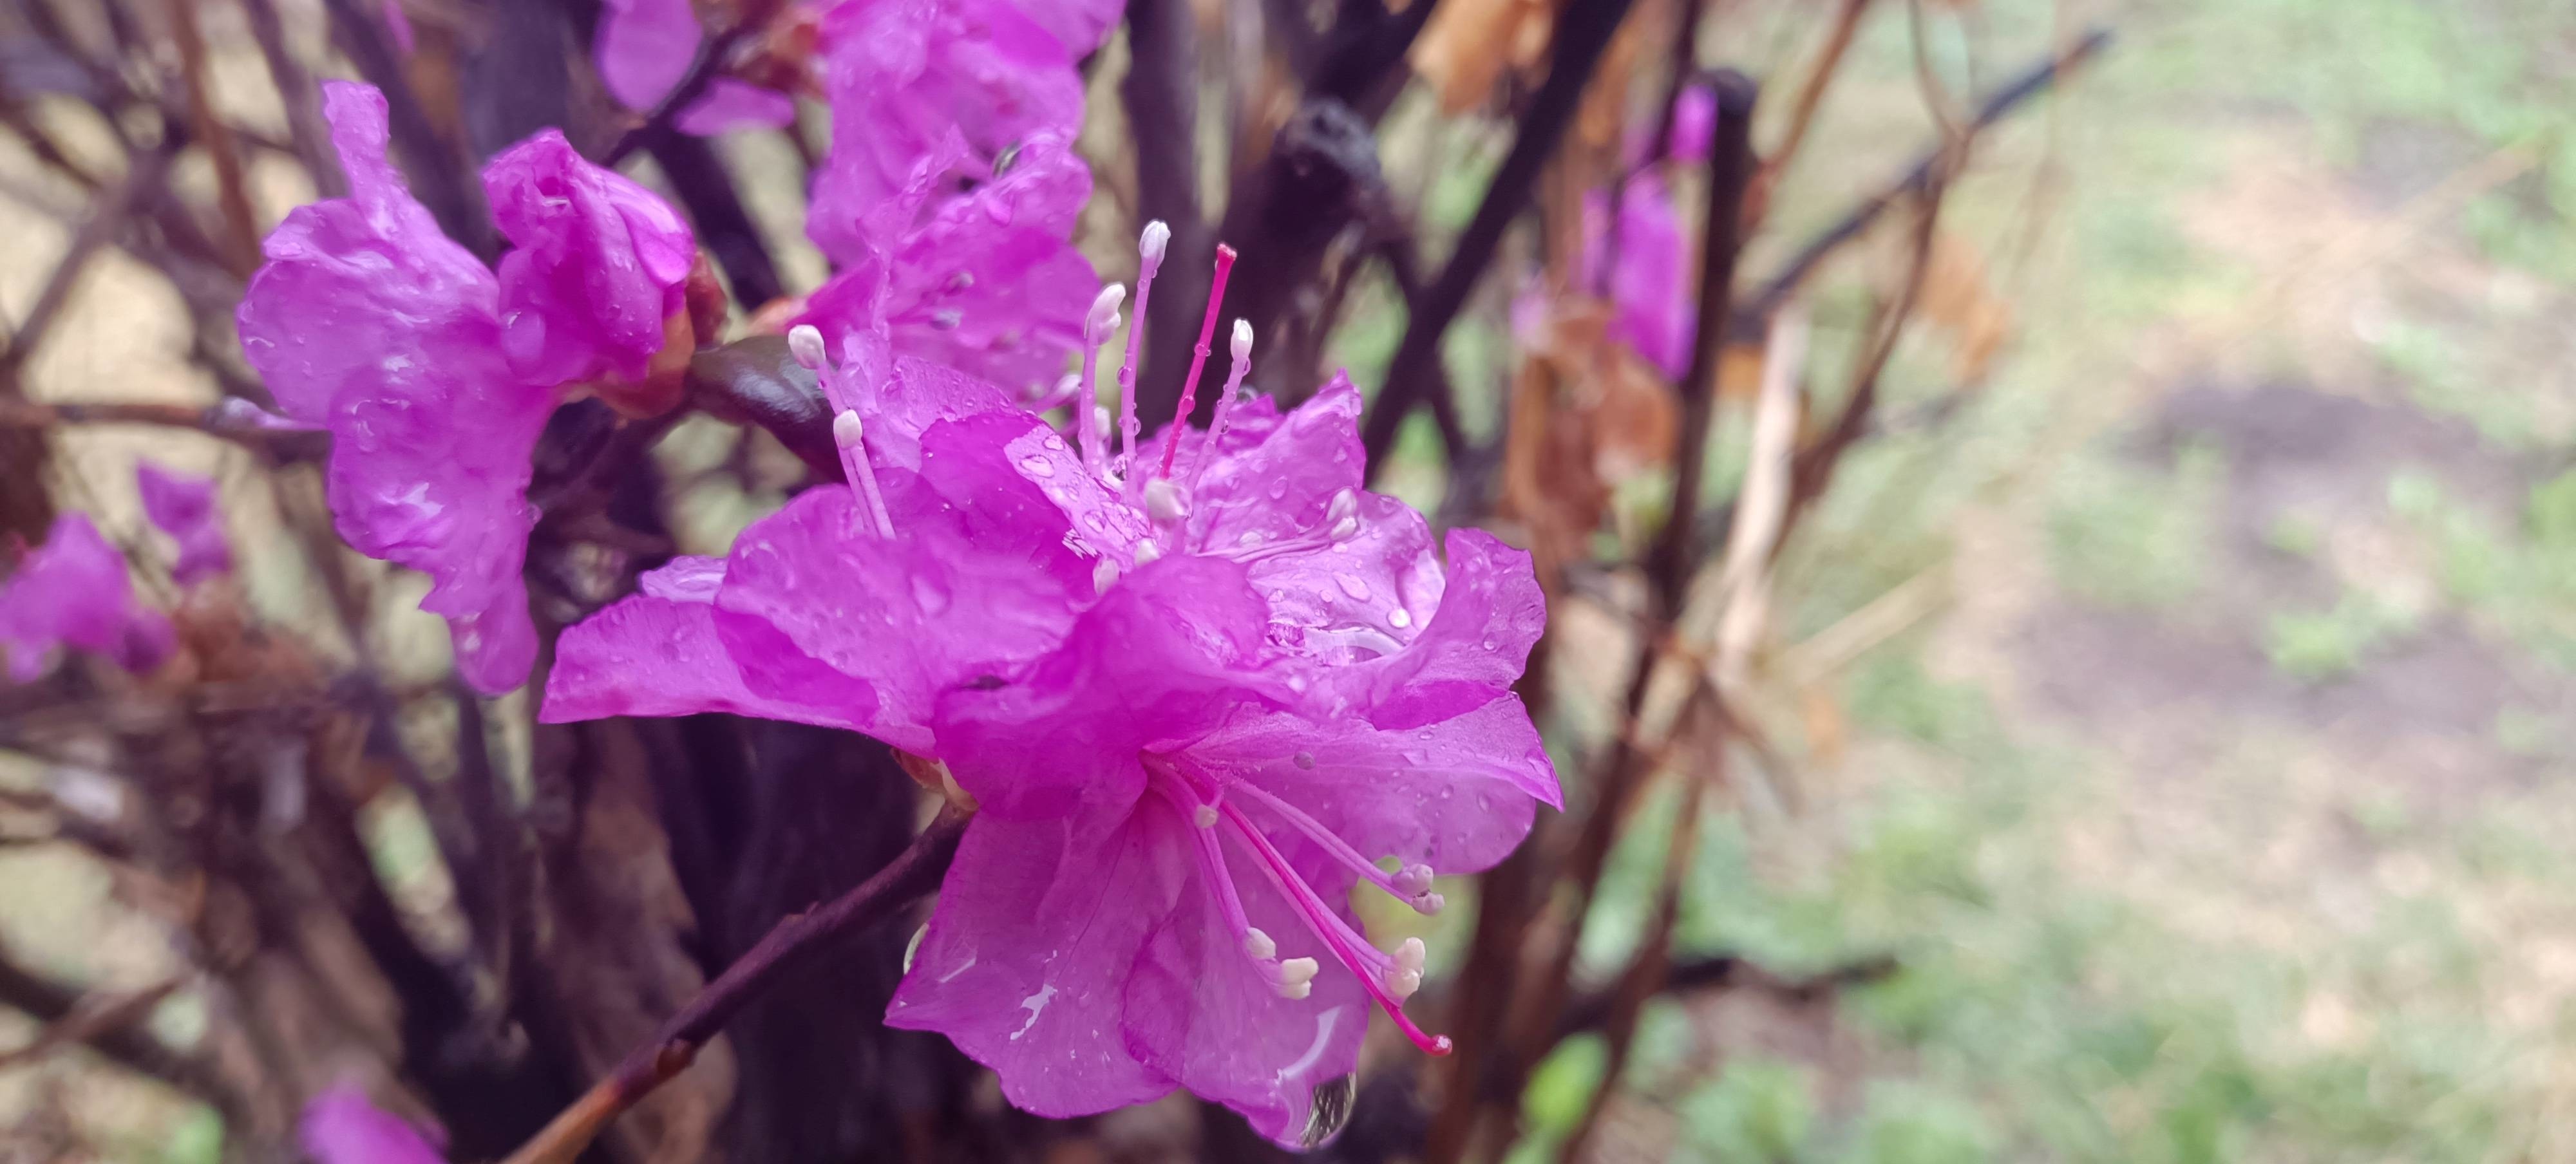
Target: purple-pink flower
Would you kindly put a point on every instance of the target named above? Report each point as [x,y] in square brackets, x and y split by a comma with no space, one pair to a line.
[644,49]
[341,1126]
[73,591]
[435,376]
[1200,685]
[184,506]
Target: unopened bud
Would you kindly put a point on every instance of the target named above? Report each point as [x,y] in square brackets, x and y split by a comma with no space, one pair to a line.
[805,342]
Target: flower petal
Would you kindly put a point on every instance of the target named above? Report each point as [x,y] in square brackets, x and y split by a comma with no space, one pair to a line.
[1026,960]
[367,320]
[1281,487]
[598,264]
[74,591]
[990,284]
[1168,653]
[1199,1010]
[657,652]
[1491,612]
[340,1126]
[1457,795]
[183,505]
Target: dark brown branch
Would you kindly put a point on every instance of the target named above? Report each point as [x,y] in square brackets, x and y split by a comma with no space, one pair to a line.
[1582,36]
[241,250]
[791,944]
[1727,972]
[699,177]
[1161,95]
[1918,178]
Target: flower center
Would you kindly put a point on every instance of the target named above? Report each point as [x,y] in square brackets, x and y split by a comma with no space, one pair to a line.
[1213,810]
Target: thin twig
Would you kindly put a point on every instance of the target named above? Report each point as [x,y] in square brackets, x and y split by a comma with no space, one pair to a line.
[241,251]
[1794,273]
[51,1001]
[1582,36]
[149,170]
[1802,113]
[790,944]
[220,421]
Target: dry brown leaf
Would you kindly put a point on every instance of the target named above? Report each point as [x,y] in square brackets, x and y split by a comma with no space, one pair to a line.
[1958,297]
[1467,44]
[1587,414]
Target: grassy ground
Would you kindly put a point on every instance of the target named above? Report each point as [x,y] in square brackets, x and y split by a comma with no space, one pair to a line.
[2221,812]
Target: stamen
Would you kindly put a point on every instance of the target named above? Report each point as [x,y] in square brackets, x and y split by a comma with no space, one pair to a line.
[1147,552]
[1297,977]
[1104,574]
[1259,945]
[1372,967]
[1198,357]
[1096,328]
[850,434]
[1163,501]
[1150,247]
[1410,884]
[1204,816]
[1225,404]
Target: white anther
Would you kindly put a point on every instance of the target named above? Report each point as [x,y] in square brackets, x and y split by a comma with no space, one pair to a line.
[1156,239]
[1205,815]
[1344,530]
[1067,386]
[1147,552]
[1259,945]
[1429,904]
[1412,880]
[1104,313]
[1163,501]
[1344,506]
[1296,993]
[1242,340]
[848,430]
[1411,955]
[1100,417]
[1295,973]
[1401,983]
[805,342]
[1104,574]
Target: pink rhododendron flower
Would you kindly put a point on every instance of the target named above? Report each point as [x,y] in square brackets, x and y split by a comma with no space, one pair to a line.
[1201,686]
[435,376]
[987,281]
[341,1126]
[643,51]
[1651,289]
[73,592]
[184,506]
[902,75]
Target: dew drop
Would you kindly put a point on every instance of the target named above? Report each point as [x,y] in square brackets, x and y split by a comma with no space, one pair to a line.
[1491,645]
[1352,586]
[1055,444]
[1399,618]
[928,594]
[1038,466]
[1333,1101]
[1304,760]
[1278,490]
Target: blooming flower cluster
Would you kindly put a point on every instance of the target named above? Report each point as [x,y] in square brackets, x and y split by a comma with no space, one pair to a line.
[1649,277]
[435,374]
[73,591]
[1202,687]
[1201,692]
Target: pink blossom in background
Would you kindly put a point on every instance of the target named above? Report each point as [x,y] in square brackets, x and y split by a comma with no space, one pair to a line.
[184,506]
[73,592]
[903,75]
[435,376]
[1652,293]
[644,49]
[986,281]
[340,1126]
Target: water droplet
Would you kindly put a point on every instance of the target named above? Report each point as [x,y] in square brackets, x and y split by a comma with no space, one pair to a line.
[1251,537]
[1491,645]
[1352,586]
[1333,1100]
[1484,802]
[929,594]
[1304,759]
[1278,489]
[1038,466]
[1399,618]
[1055,444]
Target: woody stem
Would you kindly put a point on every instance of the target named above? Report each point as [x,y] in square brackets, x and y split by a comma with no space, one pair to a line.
[792,943]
